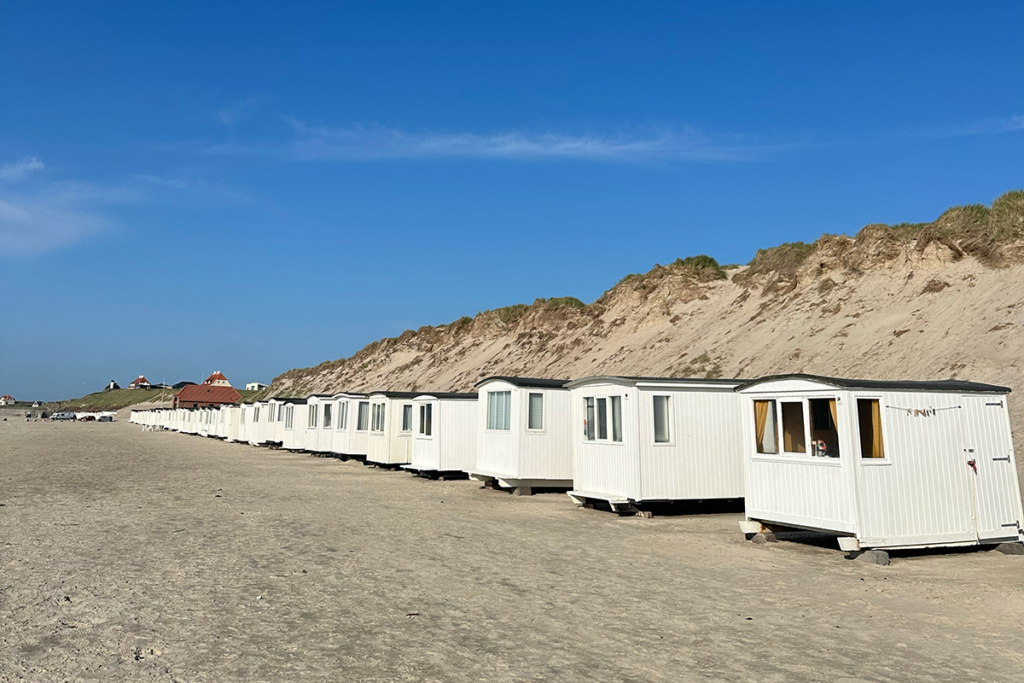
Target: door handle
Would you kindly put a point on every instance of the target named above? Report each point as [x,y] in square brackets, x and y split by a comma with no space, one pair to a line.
[974,465]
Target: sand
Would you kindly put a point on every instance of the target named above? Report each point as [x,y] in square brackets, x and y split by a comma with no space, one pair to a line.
[135,556]
[882,322]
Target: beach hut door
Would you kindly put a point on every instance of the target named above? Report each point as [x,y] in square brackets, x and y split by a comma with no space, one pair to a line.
[988,462]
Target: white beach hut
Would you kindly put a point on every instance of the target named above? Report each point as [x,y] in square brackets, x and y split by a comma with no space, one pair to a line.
[389,439]
[351,424]
[294,434]
[523,433]
[245,415]
[319,437]
[444,438]
[260,430]
[654,439]
[224,413]
[881,464]
[187,421]
[232,420]
[204,421]
[275,423]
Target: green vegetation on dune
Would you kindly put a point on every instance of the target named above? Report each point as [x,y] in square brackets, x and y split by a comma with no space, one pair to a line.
[704,267]
[994,235]
[117,399]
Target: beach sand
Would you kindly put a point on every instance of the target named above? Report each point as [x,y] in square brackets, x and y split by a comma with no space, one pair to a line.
[137,556]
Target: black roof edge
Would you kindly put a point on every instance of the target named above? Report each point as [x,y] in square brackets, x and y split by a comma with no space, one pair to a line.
[633,378]
[449,394]
[881,384]
[398,394]
[538,382]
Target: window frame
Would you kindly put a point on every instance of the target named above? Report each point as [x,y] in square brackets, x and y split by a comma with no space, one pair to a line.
[806,417]
[312,415]
[328,416]
[671,440]
[789,456]
[363,411]
[289,417]
[407,418]
[506,414]
[342,421]
[425,428]
[873,462]
[377,417]
[592,433]
[543,412]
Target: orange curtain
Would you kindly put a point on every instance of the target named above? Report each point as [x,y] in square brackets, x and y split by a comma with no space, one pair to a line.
[877,447]
[832,409]
[760,422]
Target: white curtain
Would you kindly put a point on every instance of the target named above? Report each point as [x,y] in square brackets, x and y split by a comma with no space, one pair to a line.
[661,419]
[536,411]
[499,410]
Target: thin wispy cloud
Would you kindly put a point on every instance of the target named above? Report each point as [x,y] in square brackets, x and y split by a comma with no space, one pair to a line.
[362,142]
[174,187]
[33,225]
[19,170]
[995,126]
[235,111]
[42,216]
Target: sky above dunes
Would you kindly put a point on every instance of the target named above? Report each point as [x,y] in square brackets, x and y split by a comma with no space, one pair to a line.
[251,187]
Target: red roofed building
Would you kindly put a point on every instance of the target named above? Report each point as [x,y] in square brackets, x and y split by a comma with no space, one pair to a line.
[6,400]
[205,395]
[217,380]
[140,383]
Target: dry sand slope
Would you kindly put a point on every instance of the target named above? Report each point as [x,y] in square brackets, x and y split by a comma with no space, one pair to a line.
[138,556]
[866,310]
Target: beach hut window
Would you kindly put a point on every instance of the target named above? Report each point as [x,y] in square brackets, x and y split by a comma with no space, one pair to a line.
[588,418]
[616,402]
[280,414]
[342,414]
[426,418]
[536,412]
[270,414]
[327,416]
[499,410]
[407,418]
[597,420]
[793,439]
[243,415]
[602,419]
[766,427]
[362,416]
[289,415]
[869,418]
[377,419]
[311,416]
[256,414]
[824,433]
[662,419]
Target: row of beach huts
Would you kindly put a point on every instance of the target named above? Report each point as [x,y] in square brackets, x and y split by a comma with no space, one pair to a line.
[881,464]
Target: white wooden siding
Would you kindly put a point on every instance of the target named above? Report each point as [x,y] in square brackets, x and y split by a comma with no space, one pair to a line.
[519,452]
[923,493]
[703,459]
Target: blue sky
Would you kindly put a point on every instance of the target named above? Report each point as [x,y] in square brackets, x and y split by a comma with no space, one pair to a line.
[189,187]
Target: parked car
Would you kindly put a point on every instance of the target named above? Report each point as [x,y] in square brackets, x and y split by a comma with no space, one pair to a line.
[88,418]
[63,416]
[105,418]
